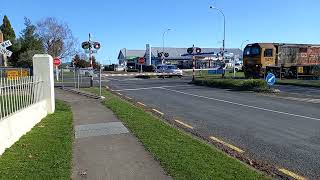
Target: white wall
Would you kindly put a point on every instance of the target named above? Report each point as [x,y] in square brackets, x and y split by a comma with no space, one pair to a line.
[18,124]
[15,126]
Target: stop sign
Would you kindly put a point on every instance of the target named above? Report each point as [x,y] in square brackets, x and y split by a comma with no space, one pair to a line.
[56,61]
[141,60]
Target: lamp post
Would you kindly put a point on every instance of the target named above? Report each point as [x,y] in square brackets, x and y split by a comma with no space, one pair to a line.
[224,29]
[164,33]
[243,43]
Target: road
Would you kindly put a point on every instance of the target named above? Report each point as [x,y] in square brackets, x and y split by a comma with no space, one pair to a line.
[282,132]
[309,91]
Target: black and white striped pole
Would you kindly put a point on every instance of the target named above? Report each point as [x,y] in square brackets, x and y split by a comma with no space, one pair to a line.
[193,51]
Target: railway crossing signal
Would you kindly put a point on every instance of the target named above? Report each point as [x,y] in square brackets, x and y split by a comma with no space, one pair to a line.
[3,47]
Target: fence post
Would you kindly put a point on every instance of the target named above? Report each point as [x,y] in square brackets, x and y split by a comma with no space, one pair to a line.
[43,68]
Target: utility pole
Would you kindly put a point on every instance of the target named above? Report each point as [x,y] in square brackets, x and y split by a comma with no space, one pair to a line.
[163,54]
[90,58]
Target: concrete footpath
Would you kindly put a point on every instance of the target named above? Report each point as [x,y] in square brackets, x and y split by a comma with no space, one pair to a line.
[103,147]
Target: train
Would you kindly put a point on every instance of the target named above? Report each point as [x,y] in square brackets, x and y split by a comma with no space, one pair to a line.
[282,59]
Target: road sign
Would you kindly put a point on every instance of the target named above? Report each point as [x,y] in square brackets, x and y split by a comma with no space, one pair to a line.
[12,74]
[271,79]
[216,71]
[56,61]
[3,47]
[141,60]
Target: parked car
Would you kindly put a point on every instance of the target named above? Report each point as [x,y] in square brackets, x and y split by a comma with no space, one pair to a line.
[238,67]
[172,69]
[119,68]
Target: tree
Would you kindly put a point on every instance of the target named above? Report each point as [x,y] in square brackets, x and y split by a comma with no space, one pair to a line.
[7,30]
[79,62]
[57,38]
[29,43]
[8,34]
[95,64]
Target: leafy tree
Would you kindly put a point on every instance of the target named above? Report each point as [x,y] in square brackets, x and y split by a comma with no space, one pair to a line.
[30,44]
[95,64]
[7,30]
[8,34]
[79,62]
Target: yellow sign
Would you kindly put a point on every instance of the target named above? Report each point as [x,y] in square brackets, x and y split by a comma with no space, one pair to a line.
[12,74]
[300,70]
[24,73]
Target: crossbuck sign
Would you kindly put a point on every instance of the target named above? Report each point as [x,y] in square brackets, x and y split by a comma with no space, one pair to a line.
[3,47]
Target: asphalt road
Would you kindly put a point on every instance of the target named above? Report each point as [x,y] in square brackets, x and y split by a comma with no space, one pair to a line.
[282,132]
[309,91]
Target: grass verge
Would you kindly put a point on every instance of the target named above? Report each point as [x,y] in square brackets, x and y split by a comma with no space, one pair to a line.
[182,156]
[43,153]
[236,84]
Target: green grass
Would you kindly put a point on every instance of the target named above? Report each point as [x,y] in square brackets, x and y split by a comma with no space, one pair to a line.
[181,155]
[296,82]
[43,153]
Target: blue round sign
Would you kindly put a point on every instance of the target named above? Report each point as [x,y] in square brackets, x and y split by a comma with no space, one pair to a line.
[271,79]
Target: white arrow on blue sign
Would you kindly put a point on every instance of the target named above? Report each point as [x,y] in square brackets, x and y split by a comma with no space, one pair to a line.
[271,79]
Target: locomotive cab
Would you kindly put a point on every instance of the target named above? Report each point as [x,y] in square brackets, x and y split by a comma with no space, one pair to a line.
[257,57]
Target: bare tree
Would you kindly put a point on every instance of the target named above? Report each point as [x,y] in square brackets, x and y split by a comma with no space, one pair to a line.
[57,37]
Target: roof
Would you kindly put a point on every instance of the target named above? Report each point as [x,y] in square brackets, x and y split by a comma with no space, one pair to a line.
[131,54]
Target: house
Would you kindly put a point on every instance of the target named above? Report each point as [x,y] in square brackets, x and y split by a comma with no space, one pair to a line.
[178,56]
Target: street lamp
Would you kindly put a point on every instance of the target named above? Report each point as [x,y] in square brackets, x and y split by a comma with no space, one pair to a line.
[224,29]
[164,33]
[243,43]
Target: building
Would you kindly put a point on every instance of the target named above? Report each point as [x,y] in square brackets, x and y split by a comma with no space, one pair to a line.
[209,57]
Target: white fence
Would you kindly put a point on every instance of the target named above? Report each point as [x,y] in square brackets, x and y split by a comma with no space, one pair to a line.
[18,94]
[25,101]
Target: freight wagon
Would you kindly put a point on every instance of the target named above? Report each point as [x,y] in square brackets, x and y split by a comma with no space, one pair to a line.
[285,60]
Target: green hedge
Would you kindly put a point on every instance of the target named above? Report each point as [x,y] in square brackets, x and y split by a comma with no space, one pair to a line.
[237,84]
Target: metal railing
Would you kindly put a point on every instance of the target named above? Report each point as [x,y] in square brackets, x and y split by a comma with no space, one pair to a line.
[18,94]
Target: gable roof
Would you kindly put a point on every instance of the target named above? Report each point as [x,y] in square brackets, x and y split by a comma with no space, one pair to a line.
[130,54]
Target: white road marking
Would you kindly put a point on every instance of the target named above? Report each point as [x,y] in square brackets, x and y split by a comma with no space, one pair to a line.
[128,97]
[161,113]
[159,87]
[142,104]
[244,105]
[184,124]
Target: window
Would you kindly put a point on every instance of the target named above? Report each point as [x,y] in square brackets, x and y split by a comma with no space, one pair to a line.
[268,53]
[255,51]
[251,51]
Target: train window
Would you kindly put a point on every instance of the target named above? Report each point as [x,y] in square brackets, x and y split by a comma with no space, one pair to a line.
[247,51]
[251,51]
[268,53]
[255,51]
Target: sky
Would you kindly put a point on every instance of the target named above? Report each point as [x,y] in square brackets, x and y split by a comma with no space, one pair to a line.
[132,24]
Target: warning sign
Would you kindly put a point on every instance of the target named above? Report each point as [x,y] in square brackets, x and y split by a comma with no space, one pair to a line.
[300,70]
[12,74]
[24,73]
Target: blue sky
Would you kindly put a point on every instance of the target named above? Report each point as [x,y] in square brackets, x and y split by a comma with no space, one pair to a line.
[133,23]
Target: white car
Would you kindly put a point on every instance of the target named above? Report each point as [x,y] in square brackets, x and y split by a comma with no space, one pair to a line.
[172,69]
[119,68]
